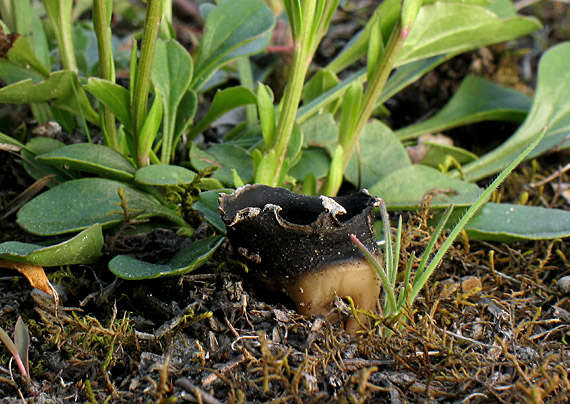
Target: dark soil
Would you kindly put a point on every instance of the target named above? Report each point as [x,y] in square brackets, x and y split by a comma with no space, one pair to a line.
[493,325]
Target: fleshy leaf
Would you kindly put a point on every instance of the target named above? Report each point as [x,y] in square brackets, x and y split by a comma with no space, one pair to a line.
[37,169]
[225,157]
[224,101]
[476,100]
[233,29]
[550,109]
[61,89]
[189,259]
[92,158]
[507,222]
[405,188]
[163,175]
[83,248]
[114,97]
[207,205]
[444,27]
[171,73]
[381,153]
[78,204]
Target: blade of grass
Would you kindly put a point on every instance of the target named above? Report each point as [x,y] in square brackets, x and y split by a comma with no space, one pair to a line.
[420,281]
[383,276]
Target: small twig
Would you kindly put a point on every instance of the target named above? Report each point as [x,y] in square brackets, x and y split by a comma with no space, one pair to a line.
[200,394]
[474,341]
[212,377]
[551,177]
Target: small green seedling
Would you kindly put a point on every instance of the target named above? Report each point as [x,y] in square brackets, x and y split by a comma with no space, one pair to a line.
[412,287]
[19,347]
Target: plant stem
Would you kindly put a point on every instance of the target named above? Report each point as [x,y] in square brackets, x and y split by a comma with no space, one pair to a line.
[106,67]
[246,78]
[59,13]
[292,96]
[142,80]
[374,88]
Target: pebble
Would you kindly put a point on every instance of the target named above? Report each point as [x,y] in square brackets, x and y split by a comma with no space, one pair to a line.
[563,284]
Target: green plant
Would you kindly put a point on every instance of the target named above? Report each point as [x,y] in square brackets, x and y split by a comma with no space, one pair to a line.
[124,175]
[412,286]
[321,134]
[19,346]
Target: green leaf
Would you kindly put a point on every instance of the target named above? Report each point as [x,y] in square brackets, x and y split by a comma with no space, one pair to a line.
[61,89]
[37,169]
[78,204]
[476,100]
[321,81]
[7,341]
[225,157]
[224,101]
[266,168]
[164,175]
[381,153]
[507,222]
[84,248]
[334,179]
[92,158]
[22,341]
[186,111]
[266,111]
[114,97]
[187,260]
[321,131]
[315,161]
[444,27]
[171,72]
[550,109]
[349,113]
[21,54]
[295,145]
[405,188]
[436,155]
[207,205]
[233,29]
[149,131]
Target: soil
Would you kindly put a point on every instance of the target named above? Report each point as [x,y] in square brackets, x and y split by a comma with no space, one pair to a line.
[492,326]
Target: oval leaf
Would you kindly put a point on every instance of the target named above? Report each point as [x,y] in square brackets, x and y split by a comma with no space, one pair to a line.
[78,204]
[507,222]
[207,205]
[189,259]
[233,29]
[225,157]
[84,248]
[405,188]
[381,153]
[224,101]
[163,175]
[92,158]
[550,109]
[476,100]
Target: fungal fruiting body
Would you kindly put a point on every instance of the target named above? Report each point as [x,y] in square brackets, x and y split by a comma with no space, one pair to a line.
[314,292]
[301,244]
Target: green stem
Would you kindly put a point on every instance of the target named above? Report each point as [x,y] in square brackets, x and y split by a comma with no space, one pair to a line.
[106,67]
[374,88]
[246,78]
[142,80]
[293,91]
[59,13]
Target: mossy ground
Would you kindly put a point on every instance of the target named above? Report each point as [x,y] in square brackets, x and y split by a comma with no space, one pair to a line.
[491,326]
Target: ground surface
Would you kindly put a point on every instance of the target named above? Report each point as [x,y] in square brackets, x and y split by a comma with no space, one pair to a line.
[493,325]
